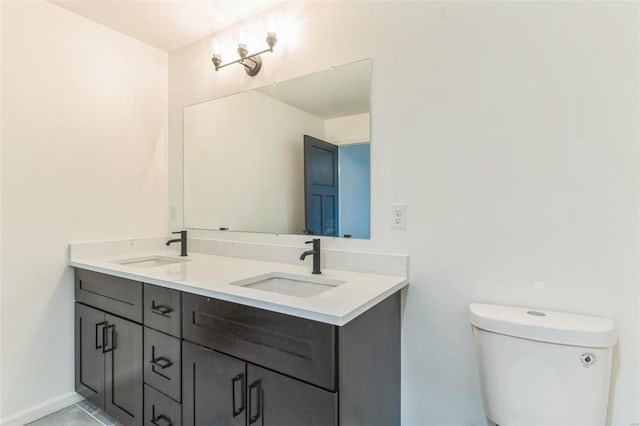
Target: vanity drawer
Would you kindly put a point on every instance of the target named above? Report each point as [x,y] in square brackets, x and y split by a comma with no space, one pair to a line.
[116,295]
[162,362]
[162,309]
[159,410]
[294,346]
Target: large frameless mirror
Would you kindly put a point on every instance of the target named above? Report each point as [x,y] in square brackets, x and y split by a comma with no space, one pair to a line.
[287,158]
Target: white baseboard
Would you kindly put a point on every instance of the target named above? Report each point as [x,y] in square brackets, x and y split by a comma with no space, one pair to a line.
[34,413]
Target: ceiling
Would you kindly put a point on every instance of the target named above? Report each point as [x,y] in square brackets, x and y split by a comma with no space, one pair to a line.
[332,93]
[166,24]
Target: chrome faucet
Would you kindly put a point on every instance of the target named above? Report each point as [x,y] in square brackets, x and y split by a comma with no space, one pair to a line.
[182,240]
[316,255]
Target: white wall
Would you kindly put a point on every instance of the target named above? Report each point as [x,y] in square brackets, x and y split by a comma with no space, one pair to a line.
[83,158]
[1,298]
[349,129]
[246,150]
[510,130]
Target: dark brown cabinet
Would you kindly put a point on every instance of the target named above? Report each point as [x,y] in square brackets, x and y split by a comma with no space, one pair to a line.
[246,394]
[162,363]
[278,400]
[115,295]
[109,363]
[297,347]
[160,357]
[89,353]
[298,371]
[213,387]
[162,309]
[160,410]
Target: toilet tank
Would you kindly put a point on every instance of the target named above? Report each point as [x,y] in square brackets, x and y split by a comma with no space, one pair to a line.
[543,368]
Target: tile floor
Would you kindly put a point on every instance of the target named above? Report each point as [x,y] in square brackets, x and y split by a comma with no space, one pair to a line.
[81,414]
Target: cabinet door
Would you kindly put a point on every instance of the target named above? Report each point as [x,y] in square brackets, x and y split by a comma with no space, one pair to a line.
[123,373]
[277,400]
[213,388]
[88,353]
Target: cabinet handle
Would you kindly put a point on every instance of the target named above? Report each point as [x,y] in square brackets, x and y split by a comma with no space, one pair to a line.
[238,378]
[100,342]
[161,362]
[105,330]
[156,419]
[253,417]
[162,310]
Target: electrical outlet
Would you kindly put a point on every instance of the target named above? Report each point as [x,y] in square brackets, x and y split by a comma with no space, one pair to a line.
[398,216]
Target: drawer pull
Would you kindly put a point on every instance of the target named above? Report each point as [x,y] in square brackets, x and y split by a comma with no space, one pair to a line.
[162,417]
[254,417]
[105,339]
[239,378]
[162,310]
[100,342]
[161,362]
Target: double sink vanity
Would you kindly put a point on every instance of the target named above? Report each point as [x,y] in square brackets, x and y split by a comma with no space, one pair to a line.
[209,339]
[242,333]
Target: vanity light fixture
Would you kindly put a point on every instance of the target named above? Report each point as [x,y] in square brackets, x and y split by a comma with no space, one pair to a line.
[252,62]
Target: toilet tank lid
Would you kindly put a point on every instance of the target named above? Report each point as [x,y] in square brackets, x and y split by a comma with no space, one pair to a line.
[545,326]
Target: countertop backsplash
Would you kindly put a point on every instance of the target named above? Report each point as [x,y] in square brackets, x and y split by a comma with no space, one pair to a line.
[345,260]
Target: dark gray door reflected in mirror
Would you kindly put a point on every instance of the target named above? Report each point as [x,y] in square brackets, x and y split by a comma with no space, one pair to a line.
[320,187]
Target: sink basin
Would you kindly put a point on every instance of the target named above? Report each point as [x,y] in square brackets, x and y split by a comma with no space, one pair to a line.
[289,284]
[149,261]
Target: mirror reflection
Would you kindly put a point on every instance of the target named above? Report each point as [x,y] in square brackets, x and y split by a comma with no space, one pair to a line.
[288,158]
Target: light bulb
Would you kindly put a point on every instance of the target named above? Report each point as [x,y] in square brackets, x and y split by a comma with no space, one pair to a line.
[240,35]
[272,24]
[215,46]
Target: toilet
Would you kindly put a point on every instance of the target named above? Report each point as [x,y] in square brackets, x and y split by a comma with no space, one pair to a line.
[543,368]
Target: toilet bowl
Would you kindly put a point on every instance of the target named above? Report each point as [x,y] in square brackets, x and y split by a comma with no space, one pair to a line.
[543,368]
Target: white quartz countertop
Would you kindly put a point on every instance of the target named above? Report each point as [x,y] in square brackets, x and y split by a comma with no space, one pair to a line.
[210,275]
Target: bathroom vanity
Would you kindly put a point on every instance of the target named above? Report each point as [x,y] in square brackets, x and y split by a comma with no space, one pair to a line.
[171,344]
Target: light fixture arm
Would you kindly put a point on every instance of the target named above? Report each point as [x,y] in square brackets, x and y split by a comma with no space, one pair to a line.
[251,70]
[240,60]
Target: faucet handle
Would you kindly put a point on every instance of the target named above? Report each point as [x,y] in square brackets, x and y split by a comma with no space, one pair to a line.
[178,232]
[315,242]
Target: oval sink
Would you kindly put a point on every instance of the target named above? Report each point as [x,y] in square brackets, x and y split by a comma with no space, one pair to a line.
[289,284]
